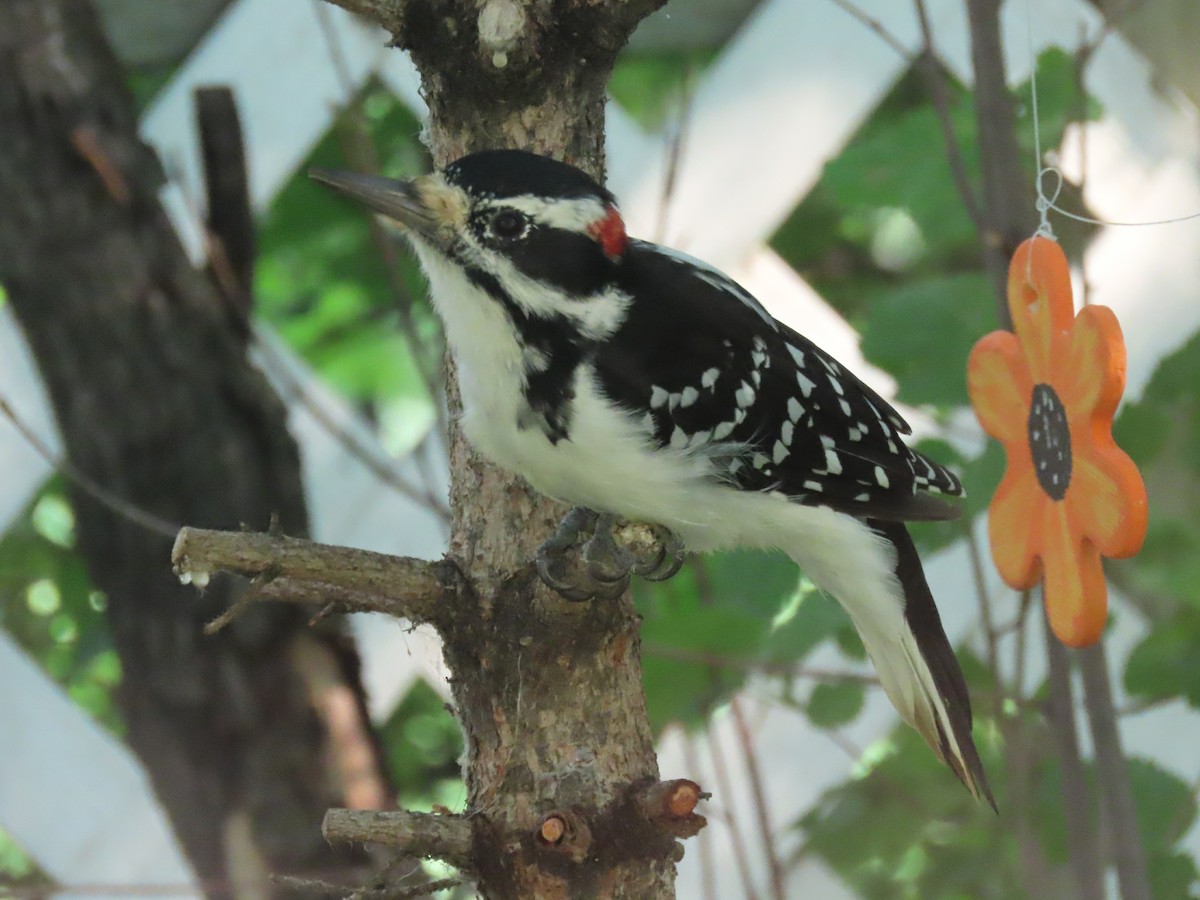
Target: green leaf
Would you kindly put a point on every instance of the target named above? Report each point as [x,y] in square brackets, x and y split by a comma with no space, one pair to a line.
[1164,664]
[900,162]
[905,828]
[1165,805]
[923,331]
[422,742]
[818,618]
[1172,875]
[835,704]
[325,285]
[653,87]
[704,629]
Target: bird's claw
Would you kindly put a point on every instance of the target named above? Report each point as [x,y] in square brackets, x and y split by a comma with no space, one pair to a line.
[553,560]
[606,564]
[667,562]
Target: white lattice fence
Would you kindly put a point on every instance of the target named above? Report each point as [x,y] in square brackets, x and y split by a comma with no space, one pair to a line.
[784,96]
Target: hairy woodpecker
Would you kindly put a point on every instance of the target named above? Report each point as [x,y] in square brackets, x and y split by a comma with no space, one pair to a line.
[633,379]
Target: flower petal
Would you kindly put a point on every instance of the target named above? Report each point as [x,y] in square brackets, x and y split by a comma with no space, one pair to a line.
[1107,499]
[999,386]
[1076,595]
[1015,525]
[1039,301]
[1089,376]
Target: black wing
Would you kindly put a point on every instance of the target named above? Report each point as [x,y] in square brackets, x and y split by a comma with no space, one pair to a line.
[704,365]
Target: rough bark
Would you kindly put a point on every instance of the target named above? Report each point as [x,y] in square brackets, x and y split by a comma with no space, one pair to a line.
[549,693]
[156,401]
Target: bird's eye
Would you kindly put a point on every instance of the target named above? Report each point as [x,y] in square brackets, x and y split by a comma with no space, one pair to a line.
[508,225]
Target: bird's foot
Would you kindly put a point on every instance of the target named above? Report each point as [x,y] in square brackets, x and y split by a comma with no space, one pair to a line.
[665,558]
[555,558]
[606,563]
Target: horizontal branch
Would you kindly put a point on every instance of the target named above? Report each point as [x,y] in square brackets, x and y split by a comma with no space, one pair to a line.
[426,835]
[299,571]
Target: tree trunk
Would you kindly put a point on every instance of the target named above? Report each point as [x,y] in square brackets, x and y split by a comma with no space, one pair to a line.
[156,402]
[549,692]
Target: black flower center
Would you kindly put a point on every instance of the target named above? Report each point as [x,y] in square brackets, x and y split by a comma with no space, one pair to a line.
[1050,441]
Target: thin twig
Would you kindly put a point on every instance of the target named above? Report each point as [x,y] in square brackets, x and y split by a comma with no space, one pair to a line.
[876,26]
[1082,58]
[1020,763]
[985,607]
[1112,775]
[708,875]
[102,495]
[290,385]
[790,669]
[674,155]
[933,71]
[310,886]
[725,790]
[761,810]
[1082,842]
[1008,211]
[359,149]
[385,471]
[1019,651]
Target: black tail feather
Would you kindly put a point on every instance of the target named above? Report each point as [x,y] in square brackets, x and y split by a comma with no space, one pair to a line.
[922,617]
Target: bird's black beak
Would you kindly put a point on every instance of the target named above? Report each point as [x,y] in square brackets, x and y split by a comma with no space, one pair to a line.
[399,201]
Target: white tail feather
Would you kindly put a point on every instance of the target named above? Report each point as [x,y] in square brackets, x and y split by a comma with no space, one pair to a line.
[862,576]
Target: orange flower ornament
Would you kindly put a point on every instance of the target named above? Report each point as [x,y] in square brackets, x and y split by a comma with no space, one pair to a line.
[1048,393]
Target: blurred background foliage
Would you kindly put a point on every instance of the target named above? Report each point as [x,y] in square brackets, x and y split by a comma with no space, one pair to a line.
[884,237]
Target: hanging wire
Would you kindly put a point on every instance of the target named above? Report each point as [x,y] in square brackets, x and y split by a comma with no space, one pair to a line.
[1046,203]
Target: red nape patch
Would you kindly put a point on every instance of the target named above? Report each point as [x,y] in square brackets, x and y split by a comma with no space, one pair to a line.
[610,232]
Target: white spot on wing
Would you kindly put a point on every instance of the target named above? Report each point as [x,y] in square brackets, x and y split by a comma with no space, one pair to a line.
[833,465]
[795,410]
[881,477]
[688,396]
[744,395]
[723,431]
[709,378]
[806,384]
[798,356]
[679,438]
[779,452]
[785,433]
[658,397]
